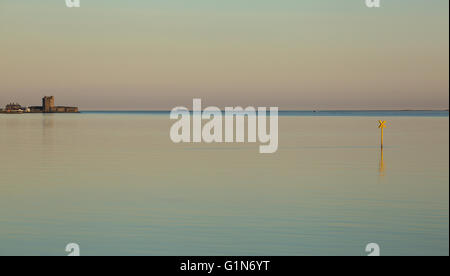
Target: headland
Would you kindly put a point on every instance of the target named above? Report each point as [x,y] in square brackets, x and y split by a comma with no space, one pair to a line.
[48,106]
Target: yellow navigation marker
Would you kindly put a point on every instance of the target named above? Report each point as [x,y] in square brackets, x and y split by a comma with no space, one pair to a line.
[382,126]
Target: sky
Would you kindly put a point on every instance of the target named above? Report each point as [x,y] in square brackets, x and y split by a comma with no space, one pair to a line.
[293,54]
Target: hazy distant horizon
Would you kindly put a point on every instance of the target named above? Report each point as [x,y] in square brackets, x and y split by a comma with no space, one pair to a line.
[297,55]
[281,110]
[189,106]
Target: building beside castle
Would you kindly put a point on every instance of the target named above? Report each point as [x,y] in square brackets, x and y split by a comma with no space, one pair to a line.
[13,108]
[48,106]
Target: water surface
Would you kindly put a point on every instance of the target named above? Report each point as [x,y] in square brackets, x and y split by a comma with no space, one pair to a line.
[115,184]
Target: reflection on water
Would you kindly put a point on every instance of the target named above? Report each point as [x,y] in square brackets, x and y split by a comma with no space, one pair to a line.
[382,162]
[48,123]
[116,184]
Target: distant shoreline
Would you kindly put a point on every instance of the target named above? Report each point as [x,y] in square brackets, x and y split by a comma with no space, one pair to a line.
[286,113]
[286,110]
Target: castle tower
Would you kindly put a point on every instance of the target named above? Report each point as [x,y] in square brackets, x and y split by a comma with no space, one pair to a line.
[48,104]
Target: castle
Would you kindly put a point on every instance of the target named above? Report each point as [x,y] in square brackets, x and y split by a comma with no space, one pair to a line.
[48,106]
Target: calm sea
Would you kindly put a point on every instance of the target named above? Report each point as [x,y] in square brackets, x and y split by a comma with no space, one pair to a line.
[114,183]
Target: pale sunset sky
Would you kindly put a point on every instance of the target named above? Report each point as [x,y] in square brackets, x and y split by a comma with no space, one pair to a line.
[158,54]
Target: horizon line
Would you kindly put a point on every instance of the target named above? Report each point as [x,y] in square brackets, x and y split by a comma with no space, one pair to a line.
[281,110]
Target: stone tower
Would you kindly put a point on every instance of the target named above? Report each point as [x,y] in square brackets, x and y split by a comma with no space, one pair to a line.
[48,104]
